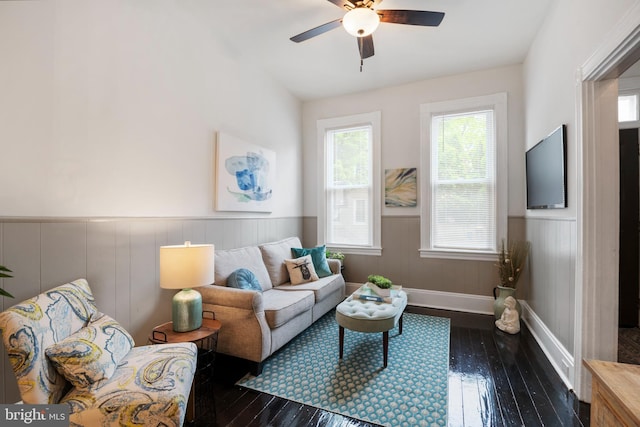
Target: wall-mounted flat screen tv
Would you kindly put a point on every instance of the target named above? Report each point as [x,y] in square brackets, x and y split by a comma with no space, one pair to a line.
[546,172]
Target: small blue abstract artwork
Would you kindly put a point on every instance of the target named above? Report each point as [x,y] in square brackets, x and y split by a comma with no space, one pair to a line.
[244,176]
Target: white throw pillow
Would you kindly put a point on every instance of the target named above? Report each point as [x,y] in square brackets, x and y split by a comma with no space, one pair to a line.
[301,270]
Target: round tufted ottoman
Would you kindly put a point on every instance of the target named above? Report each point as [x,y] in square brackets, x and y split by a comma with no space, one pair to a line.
[369,316]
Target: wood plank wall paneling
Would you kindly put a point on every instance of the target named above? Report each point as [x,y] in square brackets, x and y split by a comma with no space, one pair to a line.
[119,258]
[552,274]
[400,260]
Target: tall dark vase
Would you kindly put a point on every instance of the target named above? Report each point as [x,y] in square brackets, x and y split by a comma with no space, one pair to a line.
[499,295]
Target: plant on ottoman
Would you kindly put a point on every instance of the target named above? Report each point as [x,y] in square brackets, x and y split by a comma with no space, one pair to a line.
[381,285]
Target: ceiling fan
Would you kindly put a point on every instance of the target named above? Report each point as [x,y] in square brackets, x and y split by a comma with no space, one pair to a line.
[362,19]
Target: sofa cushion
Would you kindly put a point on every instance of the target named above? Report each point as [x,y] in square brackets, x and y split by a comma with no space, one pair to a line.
[92,354]
[280,307]
[301,270]
[229,260]
[274,254]
[319,257]
[244,278]
[321,288]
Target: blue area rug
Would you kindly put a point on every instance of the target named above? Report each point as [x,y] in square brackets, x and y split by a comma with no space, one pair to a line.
[411,391]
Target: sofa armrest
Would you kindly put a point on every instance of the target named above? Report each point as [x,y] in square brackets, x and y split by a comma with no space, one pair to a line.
[231,297]
[244,332]
[335,265]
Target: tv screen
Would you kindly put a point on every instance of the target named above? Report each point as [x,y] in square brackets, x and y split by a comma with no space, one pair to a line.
[546,165]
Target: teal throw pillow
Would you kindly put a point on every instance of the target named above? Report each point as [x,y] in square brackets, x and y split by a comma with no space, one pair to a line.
[244,279]
[318,257]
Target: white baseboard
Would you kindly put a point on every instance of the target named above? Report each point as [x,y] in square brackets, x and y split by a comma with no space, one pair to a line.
[560,358]
[443,300]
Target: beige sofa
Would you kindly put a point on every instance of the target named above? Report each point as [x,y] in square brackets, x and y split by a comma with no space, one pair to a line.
[257,323]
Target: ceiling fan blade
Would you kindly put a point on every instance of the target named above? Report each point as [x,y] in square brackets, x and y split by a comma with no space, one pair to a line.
[365,45]
[411,17]
[345,4]
[316,31]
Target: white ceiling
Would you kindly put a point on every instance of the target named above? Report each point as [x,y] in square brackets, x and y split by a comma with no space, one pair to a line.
[475,34]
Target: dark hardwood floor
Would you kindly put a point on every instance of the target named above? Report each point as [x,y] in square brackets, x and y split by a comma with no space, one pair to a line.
[495,379]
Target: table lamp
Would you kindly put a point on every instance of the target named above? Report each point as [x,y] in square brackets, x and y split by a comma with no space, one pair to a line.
[185,267]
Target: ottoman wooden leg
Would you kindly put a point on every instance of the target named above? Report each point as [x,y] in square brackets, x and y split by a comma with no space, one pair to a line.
[341,341]
[385,346]
[400,323]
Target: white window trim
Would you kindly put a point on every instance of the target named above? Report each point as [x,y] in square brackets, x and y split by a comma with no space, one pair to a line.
[374,120]
[497,102]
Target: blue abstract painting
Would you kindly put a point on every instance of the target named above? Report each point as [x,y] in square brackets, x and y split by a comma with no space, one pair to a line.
[245,175]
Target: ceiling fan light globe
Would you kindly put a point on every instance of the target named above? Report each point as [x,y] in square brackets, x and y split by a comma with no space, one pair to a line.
[360,22]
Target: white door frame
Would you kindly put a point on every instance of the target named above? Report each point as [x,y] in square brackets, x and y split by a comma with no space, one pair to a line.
[596,296]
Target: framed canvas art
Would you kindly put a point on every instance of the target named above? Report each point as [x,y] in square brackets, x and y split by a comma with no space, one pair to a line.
[400,187]
[245,175]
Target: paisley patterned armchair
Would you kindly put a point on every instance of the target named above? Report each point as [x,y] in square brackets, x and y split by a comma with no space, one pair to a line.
[63,350]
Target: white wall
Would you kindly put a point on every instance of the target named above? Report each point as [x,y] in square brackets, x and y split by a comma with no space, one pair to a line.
[572,32]
[110,108]
[400,107]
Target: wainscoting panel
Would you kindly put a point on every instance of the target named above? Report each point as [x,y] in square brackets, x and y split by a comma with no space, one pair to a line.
[401,262]
[119,258]
[552,274]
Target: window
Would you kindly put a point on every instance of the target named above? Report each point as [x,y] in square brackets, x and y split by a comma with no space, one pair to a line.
[463,156]
[628,108]
[349,203]
[360,211]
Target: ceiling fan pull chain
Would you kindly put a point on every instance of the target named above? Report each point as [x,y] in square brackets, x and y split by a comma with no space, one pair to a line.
[360,47]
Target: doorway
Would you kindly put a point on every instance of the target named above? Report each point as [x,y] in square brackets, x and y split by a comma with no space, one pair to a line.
[629,274]
[597,274]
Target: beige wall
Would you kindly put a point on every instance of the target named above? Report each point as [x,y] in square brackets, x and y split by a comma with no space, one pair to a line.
[119,258]
[401,262]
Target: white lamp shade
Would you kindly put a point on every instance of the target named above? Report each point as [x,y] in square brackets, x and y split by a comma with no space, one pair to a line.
[361,21]
[186,266]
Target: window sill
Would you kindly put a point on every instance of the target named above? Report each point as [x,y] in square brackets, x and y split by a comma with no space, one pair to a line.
[357,250]
[462,255]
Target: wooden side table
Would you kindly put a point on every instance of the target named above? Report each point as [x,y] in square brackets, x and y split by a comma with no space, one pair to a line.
[614,400]
[206,339]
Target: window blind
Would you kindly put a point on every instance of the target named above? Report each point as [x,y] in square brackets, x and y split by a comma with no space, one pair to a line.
[463,180]
[349,186]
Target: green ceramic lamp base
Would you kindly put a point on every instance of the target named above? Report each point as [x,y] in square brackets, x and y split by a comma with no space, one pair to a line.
[187,310]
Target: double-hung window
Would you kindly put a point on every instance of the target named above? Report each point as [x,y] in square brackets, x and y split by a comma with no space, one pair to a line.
[463,158]
[349,201]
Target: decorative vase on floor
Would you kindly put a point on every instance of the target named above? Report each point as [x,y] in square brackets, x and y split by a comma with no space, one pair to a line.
[499,294]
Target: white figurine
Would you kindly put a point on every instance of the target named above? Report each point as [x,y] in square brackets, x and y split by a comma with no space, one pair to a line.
[510,320]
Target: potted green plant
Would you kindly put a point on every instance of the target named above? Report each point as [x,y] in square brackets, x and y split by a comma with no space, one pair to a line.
[335,255]
[381,285]
[3,273]
[511,263]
